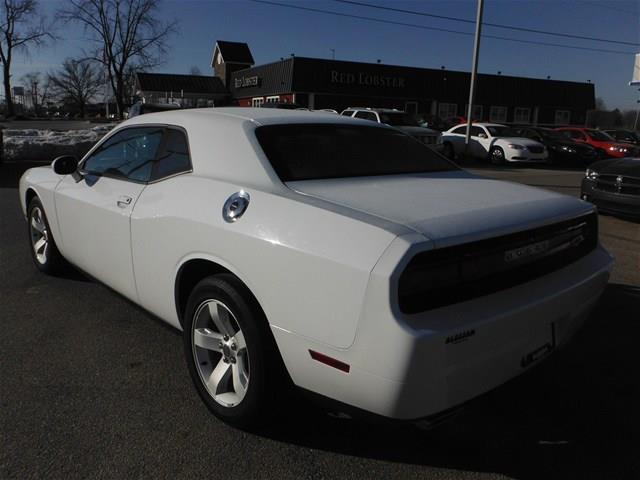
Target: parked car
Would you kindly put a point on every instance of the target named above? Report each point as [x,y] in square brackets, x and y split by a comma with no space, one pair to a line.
[339,256]
[614,186]
[605,145]
[626,136]
[497,143]
[561,149]
[407,122]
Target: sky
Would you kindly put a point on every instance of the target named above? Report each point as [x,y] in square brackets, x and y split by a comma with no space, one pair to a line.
[273,32]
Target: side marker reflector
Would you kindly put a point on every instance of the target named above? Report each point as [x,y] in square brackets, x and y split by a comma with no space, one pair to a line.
[332,362]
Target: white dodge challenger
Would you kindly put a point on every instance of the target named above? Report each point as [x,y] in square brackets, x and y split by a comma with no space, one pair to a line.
[332,253]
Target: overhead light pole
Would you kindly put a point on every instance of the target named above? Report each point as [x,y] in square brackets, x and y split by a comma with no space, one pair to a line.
[474,73]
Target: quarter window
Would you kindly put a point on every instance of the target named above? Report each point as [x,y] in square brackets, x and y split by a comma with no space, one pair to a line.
[127,154]
[366,116]
[174,156]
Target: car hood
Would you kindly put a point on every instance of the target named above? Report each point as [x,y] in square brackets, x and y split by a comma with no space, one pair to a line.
[618,166]
[447,207]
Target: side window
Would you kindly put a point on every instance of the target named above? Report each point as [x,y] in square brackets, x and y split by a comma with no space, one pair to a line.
[128,154]
[174,157]
[366,116]
[461,130]
[347,113]
[476,131]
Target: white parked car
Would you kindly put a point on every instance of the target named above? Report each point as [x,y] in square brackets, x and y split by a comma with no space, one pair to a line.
[332,253]
[495,142]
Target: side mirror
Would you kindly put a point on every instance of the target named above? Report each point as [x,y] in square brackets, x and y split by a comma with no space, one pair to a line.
[65,165]
[482,135]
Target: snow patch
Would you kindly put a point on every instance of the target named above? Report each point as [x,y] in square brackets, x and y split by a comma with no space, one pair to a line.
[31,144]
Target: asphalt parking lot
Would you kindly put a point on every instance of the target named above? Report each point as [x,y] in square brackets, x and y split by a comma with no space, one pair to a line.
[93,387]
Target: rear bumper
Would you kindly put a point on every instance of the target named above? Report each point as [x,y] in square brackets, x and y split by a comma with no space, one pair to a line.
[416,366]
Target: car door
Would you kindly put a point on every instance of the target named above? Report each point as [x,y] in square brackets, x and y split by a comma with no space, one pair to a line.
[480,142]
[94,212]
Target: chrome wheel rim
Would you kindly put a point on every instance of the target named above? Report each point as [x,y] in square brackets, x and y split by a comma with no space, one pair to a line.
[497,155]
[39,235]
[220,353]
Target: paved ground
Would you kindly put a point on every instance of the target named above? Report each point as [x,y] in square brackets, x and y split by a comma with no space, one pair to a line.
[93,387]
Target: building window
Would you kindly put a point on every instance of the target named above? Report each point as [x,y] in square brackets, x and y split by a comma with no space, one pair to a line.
[477,112]
[446,110]
[273,99]
[521,115]
[257,101]
[563,117]
[498,114]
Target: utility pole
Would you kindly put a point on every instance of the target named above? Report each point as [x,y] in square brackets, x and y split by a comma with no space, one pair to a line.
[333,53]
[474,73]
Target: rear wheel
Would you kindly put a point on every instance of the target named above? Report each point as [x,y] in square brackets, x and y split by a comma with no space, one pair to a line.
[497,156]
[230,352]
[44,251]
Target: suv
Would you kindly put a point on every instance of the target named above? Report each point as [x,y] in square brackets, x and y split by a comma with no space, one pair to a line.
[407,122]
[605,144]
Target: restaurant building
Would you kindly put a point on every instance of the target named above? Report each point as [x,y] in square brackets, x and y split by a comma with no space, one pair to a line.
[323,83]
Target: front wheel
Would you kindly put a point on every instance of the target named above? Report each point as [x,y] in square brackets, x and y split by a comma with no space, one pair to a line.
[497,156]
[230,352]
[44,251]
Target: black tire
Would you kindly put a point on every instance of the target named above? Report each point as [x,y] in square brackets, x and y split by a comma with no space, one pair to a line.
[266,375]
[49,260]
[447,151]
[496,156]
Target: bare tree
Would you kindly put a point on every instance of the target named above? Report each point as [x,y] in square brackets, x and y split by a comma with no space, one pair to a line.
[195,70]
[38,89]
[125,32]
[21,26]
[76,82]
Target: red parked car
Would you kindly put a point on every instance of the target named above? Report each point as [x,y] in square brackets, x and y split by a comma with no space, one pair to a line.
[605,144]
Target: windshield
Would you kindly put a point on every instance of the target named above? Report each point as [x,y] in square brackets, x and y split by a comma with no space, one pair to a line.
[315,151]
[599,136]
[552,135]
[399,119]
[501,131]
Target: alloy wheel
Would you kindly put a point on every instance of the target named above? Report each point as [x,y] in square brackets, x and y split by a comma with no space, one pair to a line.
[39,235]
[220,353]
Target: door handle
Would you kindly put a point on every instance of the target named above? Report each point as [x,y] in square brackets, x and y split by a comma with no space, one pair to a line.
[124,201]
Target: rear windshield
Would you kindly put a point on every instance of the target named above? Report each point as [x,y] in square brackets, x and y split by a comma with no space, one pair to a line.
[315,151]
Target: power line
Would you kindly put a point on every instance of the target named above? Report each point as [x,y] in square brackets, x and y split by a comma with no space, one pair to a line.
[495,25]
[446,30]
